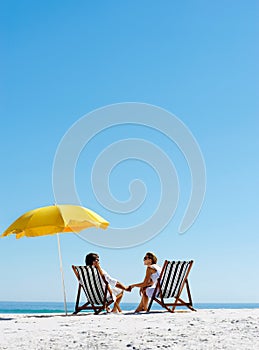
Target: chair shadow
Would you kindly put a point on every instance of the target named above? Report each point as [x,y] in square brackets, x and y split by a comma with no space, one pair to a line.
[144,312]
[132,313]
[58,315]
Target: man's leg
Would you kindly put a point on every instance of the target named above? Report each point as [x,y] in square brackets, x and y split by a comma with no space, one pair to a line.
[116,307]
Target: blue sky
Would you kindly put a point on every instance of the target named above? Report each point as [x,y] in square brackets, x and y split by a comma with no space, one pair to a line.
[198,60]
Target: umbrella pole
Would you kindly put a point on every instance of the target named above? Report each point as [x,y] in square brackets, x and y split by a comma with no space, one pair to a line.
[62,274]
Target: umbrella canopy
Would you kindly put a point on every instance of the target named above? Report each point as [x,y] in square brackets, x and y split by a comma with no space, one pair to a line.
[55,219]
[52,220]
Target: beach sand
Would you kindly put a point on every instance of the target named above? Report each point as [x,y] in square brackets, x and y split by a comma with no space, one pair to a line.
[205,329]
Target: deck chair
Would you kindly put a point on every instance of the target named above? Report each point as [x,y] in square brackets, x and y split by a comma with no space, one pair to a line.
[170,284]
[97,291]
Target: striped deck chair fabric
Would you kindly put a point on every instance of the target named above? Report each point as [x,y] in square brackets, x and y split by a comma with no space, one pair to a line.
[172,280]
[95,287]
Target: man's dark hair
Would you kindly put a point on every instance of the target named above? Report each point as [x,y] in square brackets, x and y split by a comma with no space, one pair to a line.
[90,258]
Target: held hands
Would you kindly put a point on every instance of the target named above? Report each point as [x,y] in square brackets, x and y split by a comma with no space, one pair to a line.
[129,288]
[141,289]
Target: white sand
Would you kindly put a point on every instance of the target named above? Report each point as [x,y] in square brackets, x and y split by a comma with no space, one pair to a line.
[204,329]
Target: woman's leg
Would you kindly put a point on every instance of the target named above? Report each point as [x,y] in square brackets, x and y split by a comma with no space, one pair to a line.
[140,307]
[143,303]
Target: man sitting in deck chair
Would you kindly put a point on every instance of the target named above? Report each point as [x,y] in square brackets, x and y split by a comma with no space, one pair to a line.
[117,288]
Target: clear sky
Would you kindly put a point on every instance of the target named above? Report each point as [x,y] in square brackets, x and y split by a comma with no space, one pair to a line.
[198,60]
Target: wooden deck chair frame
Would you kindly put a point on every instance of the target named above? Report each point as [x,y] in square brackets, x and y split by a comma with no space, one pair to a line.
[107,299]
[158,294]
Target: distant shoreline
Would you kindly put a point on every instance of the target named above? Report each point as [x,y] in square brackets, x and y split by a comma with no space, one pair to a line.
[12,307]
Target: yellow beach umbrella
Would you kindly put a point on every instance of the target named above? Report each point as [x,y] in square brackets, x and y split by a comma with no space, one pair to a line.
[55,219]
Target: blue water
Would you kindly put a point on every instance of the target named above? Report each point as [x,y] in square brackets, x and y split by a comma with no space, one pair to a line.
[57,307]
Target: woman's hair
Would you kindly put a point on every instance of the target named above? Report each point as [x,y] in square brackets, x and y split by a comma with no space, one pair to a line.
[90,258]
[152,257]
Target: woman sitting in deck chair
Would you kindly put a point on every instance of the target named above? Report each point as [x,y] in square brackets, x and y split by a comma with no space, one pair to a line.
[147,287]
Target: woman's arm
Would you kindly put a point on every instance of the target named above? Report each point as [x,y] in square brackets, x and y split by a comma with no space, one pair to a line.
[147,280]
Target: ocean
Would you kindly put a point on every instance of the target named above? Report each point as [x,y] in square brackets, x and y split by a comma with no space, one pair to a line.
[13,307]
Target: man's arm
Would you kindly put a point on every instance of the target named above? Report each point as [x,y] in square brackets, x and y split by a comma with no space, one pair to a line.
[112,281]
[121,286]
